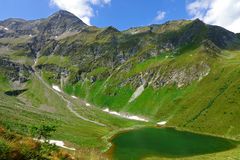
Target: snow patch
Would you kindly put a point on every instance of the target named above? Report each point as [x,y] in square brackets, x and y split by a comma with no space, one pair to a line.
[162,123]
[6,29]
[132,117]
[180,85]
[57,143]
[136,118]
[74,97]
[112,112]
[56,88]
[137,93]
[88,105]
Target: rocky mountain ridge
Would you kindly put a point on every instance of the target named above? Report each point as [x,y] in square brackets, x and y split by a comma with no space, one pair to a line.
[56,24]
[92,47]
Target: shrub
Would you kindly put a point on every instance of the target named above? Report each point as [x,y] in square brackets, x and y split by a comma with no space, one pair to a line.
[43,132]
[4,150]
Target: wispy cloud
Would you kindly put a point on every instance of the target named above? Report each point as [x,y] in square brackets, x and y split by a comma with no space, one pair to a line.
[81,8]
[217,12]
[160,16]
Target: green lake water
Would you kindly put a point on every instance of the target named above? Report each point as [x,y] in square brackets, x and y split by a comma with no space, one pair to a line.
[165,142]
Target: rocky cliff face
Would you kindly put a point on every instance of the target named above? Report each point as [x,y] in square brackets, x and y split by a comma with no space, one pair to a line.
[61,22]
[14,71]
[92,48]
[55,25]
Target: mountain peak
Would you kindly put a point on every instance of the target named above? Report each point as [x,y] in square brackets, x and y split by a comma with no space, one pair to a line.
[66,16]
[197,20]
[55,25]
[111,29]
[62,21]
[63,13]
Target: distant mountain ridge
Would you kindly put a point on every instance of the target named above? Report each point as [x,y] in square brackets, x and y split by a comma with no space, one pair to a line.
[64,21]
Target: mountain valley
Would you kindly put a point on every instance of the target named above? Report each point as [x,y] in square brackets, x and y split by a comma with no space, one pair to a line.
[92,83]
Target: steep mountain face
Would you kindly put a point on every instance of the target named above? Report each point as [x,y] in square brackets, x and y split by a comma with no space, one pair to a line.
[61,22]
[14,71]
[55,25]
[185,72]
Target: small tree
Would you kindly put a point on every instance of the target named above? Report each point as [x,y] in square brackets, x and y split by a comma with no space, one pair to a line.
[43,132]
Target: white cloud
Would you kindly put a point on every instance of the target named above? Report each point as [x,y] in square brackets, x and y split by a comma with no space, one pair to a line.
[217,12]
[81,8]
[160,15]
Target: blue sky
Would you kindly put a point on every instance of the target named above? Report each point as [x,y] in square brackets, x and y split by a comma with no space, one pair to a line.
[121,14]
[26,9]
[139,12]
[124,14]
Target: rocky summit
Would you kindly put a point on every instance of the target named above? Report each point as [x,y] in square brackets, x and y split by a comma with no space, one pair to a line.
[92,81]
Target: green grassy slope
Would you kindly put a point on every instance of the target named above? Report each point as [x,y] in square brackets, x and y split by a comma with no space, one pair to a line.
[202,98]
[40,105]
[199,106]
